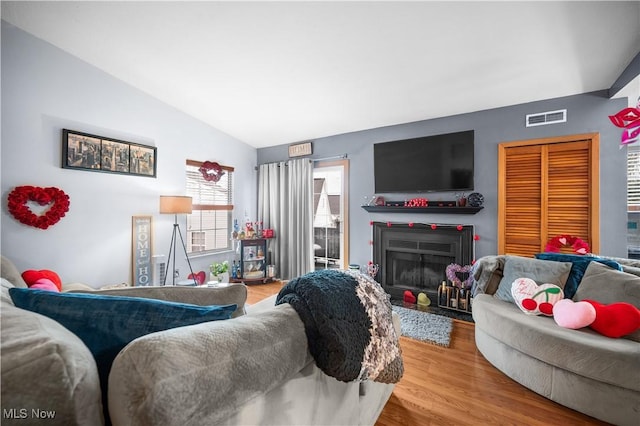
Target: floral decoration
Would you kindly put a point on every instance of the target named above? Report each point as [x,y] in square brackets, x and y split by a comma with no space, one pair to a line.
[559,241]
[211,172]
[21,195]
[452,275]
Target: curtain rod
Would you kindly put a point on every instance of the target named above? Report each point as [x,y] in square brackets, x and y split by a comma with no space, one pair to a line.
[335,157]
[313,160]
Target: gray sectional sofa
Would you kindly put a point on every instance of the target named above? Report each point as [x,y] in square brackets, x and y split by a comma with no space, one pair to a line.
[252,369]
[580,369]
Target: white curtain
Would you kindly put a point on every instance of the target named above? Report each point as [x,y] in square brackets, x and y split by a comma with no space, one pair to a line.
[285,204]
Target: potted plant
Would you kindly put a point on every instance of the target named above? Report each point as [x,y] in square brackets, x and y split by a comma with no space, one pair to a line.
[220,271]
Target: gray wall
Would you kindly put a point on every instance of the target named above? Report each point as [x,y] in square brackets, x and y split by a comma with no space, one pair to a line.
[45,90]
[586,113]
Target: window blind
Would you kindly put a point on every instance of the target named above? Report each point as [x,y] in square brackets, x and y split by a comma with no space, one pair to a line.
[209,225]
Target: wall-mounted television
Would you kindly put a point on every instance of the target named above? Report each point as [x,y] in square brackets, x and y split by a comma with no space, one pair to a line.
[425,164]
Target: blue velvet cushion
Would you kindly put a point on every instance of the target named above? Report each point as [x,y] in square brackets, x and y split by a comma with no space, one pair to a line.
[106,324]
[579,266]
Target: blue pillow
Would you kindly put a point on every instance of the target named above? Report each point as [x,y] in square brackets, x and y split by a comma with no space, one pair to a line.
[579,266]
[106,324]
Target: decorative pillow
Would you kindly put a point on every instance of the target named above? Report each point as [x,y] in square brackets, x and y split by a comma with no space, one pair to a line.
[630,270]
[32,276]
[534,299]
[45,368]
[11,273]
[487,273]
[608,286]
[542,272]
[573,315]
[106,324]
[615,320]
[44,284]
[579,266]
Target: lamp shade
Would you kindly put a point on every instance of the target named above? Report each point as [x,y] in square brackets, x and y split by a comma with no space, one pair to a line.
[175,204]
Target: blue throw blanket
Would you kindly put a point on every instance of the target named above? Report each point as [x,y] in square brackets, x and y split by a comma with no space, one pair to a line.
[347,319]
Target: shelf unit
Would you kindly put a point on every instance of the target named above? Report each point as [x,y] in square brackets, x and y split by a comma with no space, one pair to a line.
[431,209]
[253,258]
[253,261]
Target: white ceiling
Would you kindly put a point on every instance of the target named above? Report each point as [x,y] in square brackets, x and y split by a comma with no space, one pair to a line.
[271,73]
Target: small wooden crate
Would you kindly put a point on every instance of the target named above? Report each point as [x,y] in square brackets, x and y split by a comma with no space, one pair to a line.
[453,298]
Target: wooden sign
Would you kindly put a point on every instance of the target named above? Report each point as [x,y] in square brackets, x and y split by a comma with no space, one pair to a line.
[141,245]
[300,149]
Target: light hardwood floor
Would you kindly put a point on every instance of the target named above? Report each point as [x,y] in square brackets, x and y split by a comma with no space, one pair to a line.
[457,386]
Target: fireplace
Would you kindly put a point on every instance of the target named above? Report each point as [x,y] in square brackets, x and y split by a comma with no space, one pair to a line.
[415,257]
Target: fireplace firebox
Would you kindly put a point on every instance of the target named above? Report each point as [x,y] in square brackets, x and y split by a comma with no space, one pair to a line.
[415,257]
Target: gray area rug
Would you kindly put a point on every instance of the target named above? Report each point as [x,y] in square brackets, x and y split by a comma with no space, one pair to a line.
[424,326]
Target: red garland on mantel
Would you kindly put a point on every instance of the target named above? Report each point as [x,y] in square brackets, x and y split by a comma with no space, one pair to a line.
[559,241]
[433,226]
[17,205]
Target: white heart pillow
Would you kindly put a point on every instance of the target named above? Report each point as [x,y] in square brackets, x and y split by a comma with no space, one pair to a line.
[534,299]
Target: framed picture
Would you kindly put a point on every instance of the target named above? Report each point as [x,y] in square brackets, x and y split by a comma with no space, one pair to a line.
[84,151]
[141,248]
[142,160]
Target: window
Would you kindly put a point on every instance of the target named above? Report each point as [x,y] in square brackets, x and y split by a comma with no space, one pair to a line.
[633,202]
[633,179]
[209,225]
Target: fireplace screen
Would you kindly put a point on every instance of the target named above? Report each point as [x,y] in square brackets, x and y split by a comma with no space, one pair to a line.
[419,271]
[415,257]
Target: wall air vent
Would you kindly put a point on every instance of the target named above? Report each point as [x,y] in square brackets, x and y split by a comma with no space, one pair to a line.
[549,117]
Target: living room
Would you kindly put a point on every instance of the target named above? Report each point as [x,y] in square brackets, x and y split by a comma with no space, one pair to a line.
[46,89]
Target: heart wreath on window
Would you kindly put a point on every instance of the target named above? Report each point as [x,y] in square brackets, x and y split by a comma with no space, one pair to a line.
[55,198]
[211,172]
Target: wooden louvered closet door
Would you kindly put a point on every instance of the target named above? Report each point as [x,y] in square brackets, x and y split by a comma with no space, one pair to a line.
[548,187]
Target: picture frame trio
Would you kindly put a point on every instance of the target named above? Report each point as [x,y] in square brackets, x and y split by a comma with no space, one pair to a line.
[84,151]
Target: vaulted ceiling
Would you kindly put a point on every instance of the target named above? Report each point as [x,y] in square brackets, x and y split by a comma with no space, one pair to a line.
[270,73]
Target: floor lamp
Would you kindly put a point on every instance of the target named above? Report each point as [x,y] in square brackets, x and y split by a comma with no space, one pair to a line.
[176,204]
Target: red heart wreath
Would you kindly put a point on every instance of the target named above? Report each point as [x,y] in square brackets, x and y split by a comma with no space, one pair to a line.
[56,198]
[211,171]
[559,241]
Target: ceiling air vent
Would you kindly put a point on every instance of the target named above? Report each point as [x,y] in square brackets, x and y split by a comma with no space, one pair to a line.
[549,117]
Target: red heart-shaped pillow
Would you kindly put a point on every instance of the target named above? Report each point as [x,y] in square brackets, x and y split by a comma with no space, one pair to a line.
[409,297]
[616,319]
[199,277]
[31,276]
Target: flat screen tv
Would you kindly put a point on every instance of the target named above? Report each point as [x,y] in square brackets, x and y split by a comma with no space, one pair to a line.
[425,164]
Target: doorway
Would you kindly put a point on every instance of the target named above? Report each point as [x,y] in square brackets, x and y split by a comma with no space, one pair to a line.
[330,214]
